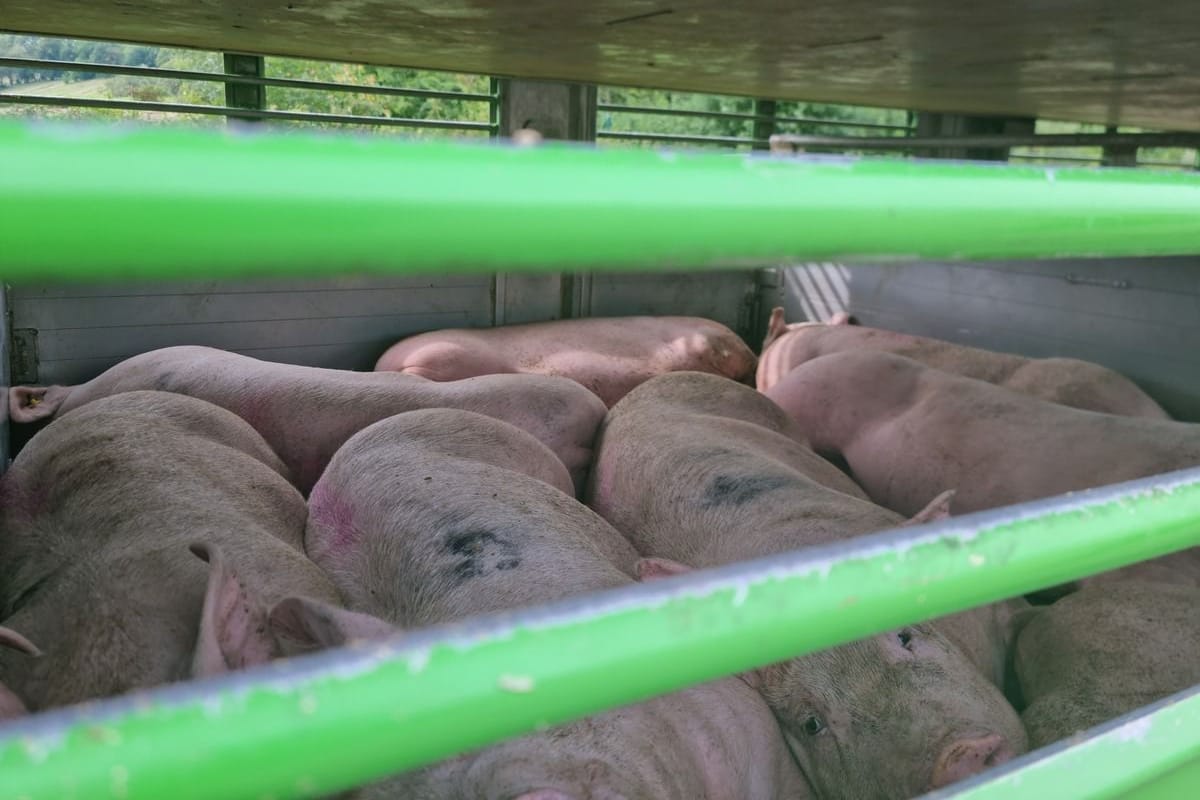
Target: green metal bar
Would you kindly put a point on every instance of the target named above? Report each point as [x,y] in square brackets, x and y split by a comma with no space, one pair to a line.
[97,202]
[319,725]
[1151,754]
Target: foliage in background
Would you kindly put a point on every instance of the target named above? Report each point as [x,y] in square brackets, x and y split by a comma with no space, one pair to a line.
[813,118]
[820,119]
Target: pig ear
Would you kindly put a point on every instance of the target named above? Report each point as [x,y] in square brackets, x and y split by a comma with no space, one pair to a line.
[15,641]
[233,625]
[312,625]
[842,318]
[31,403]
[776,326]
[756,679]
[938,508]
[649,569]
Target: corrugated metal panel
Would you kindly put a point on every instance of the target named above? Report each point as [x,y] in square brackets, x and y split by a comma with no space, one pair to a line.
[727,296]
[344,323]
[1140,317]
[524,298]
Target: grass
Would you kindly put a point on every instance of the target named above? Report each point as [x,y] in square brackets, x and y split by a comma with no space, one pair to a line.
[93,87]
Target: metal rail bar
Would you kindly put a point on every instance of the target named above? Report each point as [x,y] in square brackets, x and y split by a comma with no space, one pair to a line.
[1096,161]
[190,75]
[681,138]
[321,724]
[293,203]
[1057,159]
[689,112]
[1150,753]
[244,113]
[786,140]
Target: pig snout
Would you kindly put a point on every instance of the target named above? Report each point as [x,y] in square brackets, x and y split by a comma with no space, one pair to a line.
[963,758]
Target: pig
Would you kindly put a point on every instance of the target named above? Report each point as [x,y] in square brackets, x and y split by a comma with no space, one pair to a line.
[608,355]
[436,515]
[1105,651]
[699,471]
[107,517]
[906,429]
[1066,381]
[11,705]
[306,413]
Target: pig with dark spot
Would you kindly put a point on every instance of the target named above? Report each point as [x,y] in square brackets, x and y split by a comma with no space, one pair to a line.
[609,355]
[699,471]
[433,516]
[1105,651]
[306,413]
[1067,381]
[905,430]
[108,517]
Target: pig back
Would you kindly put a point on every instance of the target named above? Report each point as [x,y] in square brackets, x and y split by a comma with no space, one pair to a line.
[417,527]
[101,508]
[732,749]
[1104,651]
[717,478]
[414,526]
[106,472]
[305,414]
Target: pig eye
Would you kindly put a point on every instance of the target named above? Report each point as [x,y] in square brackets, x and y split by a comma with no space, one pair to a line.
[905,636]
[813,725]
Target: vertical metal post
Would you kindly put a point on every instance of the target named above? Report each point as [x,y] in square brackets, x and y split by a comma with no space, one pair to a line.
[1118,155]
[556,110]
[244,95]
[496,90]
[5,379]
[763,128]
[950,125]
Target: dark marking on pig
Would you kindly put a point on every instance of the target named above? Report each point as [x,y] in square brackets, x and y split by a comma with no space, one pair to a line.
[163,382]
[736,490]
[480,551]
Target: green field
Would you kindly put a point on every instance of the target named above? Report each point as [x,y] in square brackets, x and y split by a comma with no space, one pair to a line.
[95,87]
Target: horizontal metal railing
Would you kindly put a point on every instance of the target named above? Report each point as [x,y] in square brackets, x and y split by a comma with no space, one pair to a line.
[291,204]
[321,724]
[789,140]
[283,115]
[222,77]
[688,112]
[245,113]
[681,138]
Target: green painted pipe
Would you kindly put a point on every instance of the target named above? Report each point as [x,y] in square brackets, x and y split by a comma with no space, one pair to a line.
[88,203]
[1152,754]
[313,726]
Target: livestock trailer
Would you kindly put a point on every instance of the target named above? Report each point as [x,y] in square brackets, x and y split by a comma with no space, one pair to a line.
[314,250]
